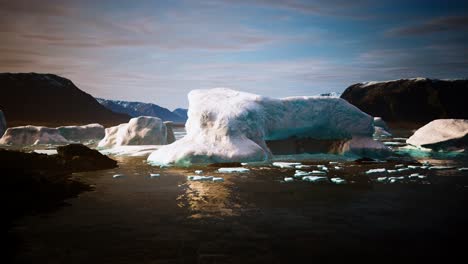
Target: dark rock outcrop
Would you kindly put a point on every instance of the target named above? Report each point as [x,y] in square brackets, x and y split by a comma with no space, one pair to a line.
[136,109]
[78,157]
[3,125]
[411,102]
[50,100]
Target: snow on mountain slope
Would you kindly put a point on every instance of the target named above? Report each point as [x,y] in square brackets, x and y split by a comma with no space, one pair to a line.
[135,109]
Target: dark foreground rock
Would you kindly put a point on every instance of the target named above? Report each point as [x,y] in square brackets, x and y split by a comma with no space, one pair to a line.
[411,102]
[32,181]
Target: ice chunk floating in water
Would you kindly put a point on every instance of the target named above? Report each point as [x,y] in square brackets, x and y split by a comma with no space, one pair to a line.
[230,126]
[232,170]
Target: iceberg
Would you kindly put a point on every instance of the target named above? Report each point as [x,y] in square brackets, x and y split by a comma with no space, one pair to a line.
[230,126]
[143,130]
[441,134]
[82,133]
[32,135]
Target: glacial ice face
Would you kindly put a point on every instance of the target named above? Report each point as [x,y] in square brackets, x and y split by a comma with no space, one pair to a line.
[143,130]
[226,125]
[82,133]
[3,125]
[32,135]
[442,134]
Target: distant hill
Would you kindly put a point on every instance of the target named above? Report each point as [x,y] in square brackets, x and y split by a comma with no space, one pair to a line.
[411,101]
[50,100]
[135,109]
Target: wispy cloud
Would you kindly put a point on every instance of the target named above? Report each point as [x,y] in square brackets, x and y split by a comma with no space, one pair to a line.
[433,25]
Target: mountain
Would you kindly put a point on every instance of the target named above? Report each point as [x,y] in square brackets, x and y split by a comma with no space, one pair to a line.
[50,100]
[411,102]
[182,112]
[135,109]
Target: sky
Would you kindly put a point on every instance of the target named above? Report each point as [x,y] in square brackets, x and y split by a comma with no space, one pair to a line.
[157,51]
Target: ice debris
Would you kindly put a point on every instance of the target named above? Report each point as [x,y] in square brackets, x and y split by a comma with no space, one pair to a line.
[154,175]
[116,176]
[315,179]
[382,170]
[233,170]
[338,180]
[286,164]
[288,179]
[198,172]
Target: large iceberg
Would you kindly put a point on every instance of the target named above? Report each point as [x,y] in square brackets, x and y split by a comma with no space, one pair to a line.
[442,134]
[82,133]
[3,125]
[32,135]
[143,130]
[231,126]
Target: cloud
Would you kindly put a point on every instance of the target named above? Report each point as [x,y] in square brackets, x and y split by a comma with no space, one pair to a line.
[435,25]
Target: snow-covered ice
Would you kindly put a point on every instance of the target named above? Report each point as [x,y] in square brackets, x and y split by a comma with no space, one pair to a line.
[143,130]
[231,126]
[233,170]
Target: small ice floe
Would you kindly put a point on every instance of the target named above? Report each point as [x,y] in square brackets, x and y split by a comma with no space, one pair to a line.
[218,179]
[396,179]
[463,169]
[300,173]
[318,172]
[382,170]
[338,180]
[333,163]
[402,169]
[322,167]
[117,176]
[441,168]
[315,179]
[424,167]
[426,163]
[399,166]
[233,170]
[337,168]
[302,166]
[286,165]
[288,179]
[382,179]
[199,178]
[416,176]
[198,172]
[154,175]
[413,167]
[392,171]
